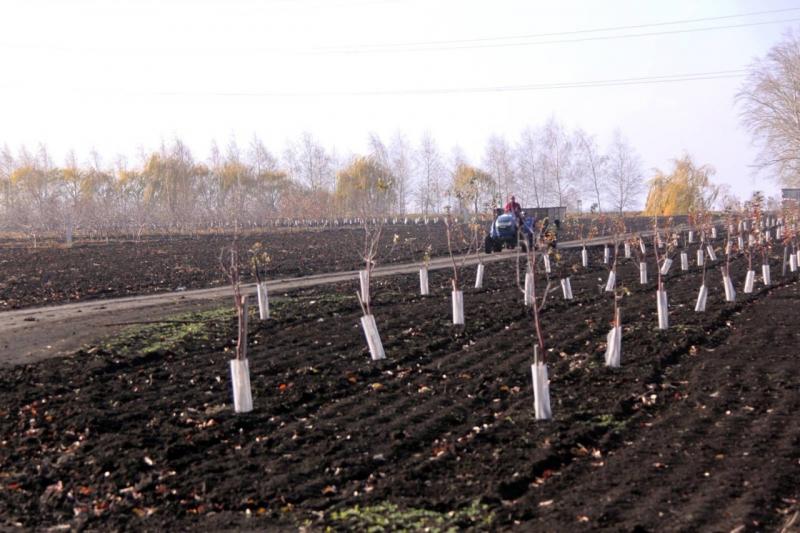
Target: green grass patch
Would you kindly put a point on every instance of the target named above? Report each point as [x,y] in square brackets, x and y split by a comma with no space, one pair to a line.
[387,516]
[609,421]
[168,335]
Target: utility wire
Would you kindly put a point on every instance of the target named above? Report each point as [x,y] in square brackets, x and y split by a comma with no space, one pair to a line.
[560,33]
[613,82]
[422,48]
[491,89]
[475,43]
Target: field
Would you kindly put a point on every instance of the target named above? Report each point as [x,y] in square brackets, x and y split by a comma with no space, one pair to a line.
[52,274]
[696,431]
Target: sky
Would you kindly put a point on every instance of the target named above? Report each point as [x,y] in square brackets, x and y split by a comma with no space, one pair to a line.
[117,75]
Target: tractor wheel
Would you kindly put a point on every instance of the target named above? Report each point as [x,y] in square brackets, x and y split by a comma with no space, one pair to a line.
[488,245]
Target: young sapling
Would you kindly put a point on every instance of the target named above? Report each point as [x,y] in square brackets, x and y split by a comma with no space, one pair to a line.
[240,368]
[259,261]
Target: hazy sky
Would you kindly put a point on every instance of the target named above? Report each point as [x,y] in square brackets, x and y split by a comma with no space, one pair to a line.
[115,75]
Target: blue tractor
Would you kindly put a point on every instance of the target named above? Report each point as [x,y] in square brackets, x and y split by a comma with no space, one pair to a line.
[506,231]
[507,228]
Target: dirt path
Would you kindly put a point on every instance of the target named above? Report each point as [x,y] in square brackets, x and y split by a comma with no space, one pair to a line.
[30,335]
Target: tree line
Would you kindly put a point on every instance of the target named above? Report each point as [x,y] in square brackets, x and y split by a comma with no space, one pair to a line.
[172,189]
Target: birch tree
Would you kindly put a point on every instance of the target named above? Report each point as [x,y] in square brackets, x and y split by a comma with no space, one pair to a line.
[498,161]
[429,170]
[591,163]
[310,164]
[557,157]
[400,164]
[623,175]
[770,109]
[529,166]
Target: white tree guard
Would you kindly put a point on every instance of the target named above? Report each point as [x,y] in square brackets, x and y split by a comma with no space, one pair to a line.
[240,378]
[614,347]
[627,250]
[643,273]
[684,261]
[702,298]
[423,281]
[458,308]
[584,257]
[711,253]
[541,391]
[606,254]
[740,242]
[363,278]
[793,263]
[765,275]
[373,337]
[528,288]
[642,246]
[611,284]
[691,237]
[263,300]
[479,276]
[665,266]
[748,281]
[701,257]
[546,260]
[713,232]
[728,248]
[566,288]
[663,309]
[730,291]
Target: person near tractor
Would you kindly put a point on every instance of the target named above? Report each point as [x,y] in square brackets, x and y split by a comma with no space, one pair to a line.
[513,207]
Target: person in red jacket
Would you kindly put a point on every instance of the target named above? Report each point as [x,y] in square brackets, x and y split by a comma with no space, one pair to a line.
[513,207]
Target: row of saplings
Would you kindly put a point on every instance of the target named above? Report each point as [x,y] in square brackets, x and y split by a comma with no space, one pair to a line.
[752,236]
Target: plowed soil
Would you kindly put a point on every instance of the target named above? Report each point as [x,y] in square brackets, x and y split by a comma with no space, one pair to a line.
[696,431]
[52,274]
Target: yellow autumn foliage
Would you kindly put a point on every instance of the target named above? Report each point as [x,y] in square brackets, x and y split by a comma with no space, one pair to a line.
[364,187]
[686,189]
[469,184]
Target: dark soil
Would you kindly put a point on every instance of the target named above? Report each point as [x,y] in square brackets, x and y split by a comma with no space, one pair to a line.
[51,274]
[697,430]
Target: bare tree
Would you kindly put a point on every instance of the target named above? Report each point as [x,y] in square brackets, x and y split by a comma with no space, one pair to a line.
[429,170]
[400,164]
[770,109]
[310,164]
[529,166]
[558,152]
[592,164]
[270,182]
[498,160]
[624,174]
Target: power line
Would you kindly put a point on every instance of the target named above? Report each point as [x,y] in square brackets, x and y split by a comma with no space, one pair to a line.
[481,42]
[647,80]
[613,82]
[370,50]
[562,33]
